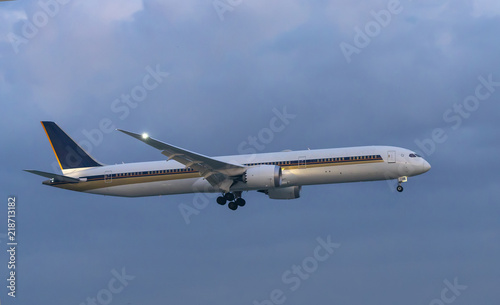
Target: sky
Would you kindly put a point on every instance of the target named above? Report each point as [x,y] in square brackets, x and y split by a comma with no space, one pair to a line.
[206,76]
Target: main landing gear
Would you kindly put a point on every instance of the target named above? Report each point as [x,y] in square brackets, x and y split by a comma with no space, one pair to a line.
[399,188]
[234,199]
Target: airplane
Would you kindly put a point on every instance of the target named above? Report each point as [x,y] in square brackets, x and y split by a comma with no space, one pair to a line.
[279,175]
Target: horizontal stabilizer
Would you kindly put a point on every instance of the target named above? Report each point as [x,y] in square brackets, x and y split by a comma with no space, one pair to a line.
[53,177]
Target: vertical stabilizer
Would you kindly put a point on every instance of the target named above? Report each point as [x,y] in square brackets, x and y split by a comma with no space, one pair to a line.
[68,153]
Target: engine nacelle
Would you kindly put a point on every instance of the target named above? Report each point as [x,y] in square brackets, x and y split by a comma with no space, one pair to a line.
[263,176]
[290,192]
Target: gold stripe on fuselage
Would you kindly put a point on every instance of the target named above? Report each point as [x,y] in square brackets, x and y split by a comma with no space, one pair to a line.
[119,181]
[327,164]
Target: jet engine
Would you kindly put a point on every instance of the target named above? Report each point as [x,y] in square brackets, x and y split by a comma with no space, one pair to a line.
[263,176]
[290,192]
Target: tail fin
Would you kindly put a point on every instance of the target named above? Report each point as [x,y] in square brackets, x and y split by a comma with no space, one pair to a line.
[68,153]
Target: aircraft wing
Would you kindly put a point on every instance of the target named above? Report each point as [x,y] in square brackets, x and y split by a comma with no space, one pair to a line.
[218,173]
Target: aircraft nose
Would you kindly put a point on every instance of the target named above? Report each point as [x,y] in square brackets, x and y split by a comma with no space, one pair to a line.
[426,166]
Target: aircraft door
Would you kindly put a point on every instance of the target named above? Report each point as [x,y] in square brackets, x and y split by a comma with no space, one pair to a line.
[391,156]
[302,162]
[108,176]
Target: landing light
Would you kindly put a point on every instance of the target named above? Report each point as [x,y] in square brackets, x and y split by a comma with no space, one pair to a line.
[145,136]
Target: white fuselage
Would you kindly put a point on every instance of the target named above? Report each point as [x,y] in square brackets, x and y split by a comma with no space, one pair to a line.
[306,167]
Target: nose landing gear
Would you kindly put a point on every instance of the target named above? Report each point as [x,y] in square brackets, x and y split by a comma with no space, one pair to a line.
[399,188]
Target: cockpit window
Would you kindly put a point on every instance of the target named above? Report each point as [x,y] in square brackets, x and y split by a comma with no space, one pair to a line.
[415,156]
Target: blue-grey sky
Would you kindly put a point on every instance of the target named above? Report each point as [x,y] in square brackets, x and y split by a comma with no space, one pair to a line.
[403,73]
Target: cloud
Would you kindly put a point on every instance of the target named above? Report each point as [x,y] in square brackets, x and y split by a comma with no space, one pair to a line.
[264,15]
[347,15]
[110,11]
[486,8]
[10,17]
[225,78]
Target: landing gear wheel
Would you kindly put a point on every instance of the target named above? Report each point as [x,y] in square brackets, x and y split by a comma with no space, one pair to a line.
[240,201]
[229,196]
[221,200]
[232,205]
[399,188]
